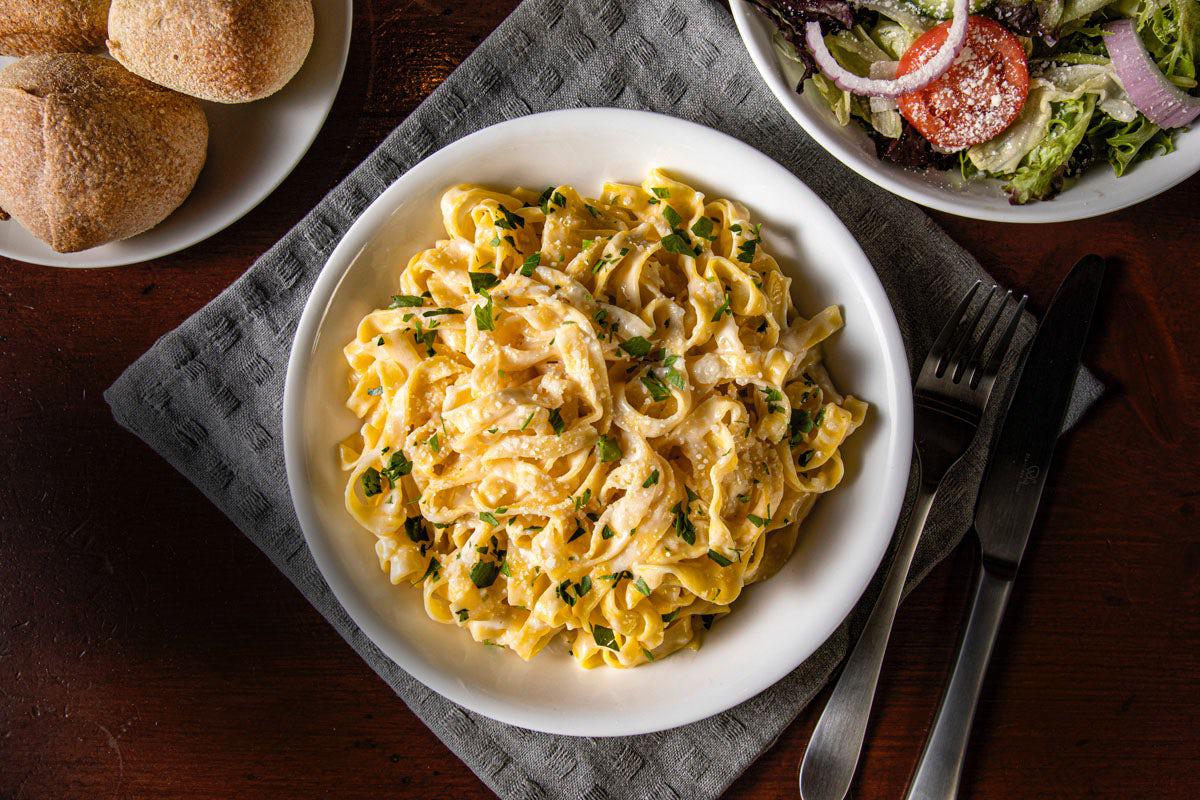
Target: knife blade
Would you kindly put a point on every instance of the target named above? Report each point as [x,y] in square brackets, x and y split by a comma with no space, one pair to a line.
[1015,475]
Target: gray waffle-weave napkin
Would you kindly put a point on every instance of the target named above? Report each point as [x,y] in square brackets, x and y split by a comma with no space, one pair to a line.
[208,396]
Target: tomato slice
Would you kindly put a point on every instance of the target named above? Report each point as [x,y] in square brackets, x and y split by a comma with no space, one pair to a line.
[978,97]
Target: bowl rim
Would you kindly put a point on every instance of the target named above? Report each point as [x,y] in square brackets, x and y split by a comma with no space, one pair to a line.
[1048,211]
[898,435]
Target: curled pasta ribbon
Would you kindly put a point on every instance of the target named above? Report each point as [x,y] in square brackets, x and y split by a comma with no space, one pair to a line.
[595,419]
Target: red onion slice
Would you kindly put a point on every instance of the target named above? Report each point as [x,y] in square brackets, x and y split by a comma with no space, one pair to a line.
[1163,103]
[917,79]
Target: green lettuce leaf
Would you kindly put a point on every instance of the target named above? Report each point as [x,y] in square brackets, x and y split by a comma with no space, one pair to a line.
[1043,171]
[1169,28]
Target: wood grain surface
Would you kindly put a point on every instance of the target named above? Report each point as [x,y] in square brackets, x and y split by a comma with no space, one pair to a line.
[147,649]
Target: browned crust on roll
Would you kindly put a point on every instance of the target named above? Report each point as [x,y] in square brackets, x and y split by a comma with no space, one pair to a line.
[29,27]
[90,153]
[226,51]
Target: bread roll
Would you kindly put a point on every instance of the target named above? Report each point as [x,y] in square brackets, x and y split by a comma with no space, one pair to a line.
[227,51]
[51,26]
[90,153]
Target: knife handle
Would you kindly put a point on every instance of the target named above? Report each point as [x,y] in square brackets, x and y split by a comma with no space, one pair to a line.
[941,762]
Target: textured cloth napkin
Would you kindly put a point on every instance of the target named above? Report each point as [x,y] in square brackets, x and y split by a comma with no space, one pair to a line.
[208,396]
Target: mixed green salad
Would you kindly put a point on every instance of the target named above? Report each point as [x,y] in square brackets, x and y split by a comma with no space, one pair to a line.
[1031,92]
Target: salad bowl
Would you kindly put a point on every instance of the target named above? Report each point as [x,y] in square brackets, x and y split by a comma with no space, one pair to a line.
[1097,191]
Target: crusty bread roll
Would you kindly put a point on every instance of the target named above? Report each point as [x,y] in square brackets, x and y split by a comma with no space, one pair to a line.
[90,153]
[51,26]
[227,51]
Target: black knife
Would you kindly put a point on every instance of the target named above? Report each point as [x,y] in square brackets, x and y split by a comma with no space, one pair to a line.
[1004,513]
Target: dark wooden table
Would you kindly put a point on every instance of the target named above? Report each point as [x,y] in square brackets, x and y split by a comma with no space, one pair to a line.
[147,649]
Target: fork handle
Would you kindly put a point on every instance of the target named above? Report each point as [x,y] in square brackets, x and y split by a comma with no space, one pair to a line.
[941,762]
[833,752]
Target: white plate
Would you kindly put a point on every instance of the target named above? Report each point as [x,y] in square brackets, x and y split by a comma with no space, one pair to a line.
[775,625]
[1097,192]
[252,147]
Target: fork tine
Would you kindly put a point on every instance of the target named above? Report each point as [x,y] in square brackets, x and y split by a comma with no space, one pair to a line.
[1002,346]
[937,353]
[972,363]
[955,363]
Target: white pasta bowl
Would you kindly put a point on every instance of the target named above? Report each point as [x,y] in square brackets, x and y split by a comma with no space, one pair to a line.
[1098,191]
[776,624]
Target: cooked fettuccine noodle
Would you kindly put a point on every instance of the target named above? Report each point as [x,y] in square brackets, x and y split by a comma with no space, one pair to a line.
[593,417]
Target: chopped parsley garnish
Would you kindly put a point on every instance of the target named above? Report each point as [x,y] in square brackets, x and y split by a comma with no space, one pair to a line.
[370,482]
[723,309]
[489,518]
[505,570]
[757,520]
[462,614]
[616,577]
[583,499]
[531,263]
[551,197]
[651,481]
[378,390]
[406,301]
[604,637]
[591,210]
[556,421]
[801,425]
[649,656]
[661,192]
[379,341]
[584,586]
[495,241]
[669,618]
[774,397]
[434,444]
[720,559]
[675,243]
[641,586]
[672,375]
[427,338]
[806,457]
[746,249]
[578,532]
[691,496]
[398,466]
[563,590]
[432,570]
[684,528]
[610,259]
[819,419]
[608,448]
[440,312]
[415,528]
[483,316]
[703,228]
[672,216]
[638,346]
[484,573]
[607,533]
[509,221]
[482,280]
[658,391]
[528,419]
